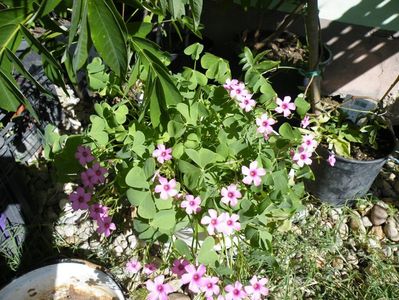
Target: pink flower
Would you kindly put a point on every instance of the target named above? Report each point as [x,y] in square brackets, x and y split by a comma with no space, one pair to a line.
[213,221]
[305,122]
[230,223]
[210,286]
[191,204]
[87,179]
[302,157]
[194,277]
[133,266]
[257,288]
[96,174]
[98,211]
[247,103]
[331,159]
[158,290]
[105,226]
[150,268]
[253,173]
[230,195]
[179,267]
[83,155]
[285,106]
[166,188]
[309,143]
[230,83]
[235,292]
[79,199]
[265,124]
[162,154]
[238,91]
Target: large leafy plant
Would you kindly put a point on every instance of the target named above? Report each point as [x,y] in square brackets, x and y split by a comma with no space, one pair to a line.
[171,170]
[64,49]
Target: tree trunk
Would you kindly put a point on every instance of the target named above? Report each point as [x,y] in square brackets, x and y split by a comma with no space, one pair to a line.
[312,33]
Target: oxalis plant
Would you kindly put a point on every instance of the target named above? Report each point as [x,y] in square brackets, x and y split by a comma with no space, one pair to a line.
[208,178]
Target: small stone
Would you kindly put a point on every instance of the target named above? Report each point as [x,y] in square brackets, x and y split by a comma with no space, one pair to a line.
[356,223]
[366,221]
[377,232]
[338,263]
[378,215]
[343,231]
[374,244]
[391,231]
[335,214]
[352,259]
[392,178]
[364,208]
[387,251]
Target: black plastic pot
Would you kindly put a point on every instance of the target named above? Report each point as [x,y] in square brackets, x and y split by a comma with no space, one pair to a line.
[347,180]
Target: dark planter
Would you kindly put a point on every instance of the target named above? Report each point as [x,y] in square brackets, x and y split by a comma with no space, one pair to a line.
[347,180]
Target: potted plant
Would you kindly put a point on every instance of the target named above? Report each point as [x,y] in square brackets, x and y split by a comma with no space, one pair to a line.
[355,141]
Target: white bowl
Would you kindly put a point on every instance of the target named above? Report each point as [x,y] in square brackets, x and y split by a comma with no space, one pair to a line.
[79,280]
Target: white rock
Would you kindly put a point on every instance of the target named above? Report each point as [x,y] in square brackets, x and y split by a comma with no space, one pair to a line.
[343,231]
[366,221]
[391,231]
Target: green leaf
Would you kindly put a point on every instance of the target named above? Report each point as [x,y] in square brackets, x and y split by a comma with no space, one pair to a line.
[286,131]
[164,220]
[135,197]
[280,180]
[207,157]
[302,106]
[163,204]
[178,150]
[12,16]
[107,36]
[144,201]
[46,7]
[176,8]
[207,254]
[139,29]
[196,10]
[217,68]
[98,78]
[176,129]
[149,167]
[155,109]
[194,155]
[194,50]
[10,95]
[136,178]
[77,8]
[82,48]
[183,249]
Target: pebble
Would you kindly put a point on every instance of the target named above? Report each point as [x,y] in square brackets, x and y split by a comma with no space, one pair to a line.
[377,232]
[338,263]
[343,231]
[356,223]
[366,221]
[374,244]
[391,231]
[378,215]
[387,251]
[335,214]
[352,259]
